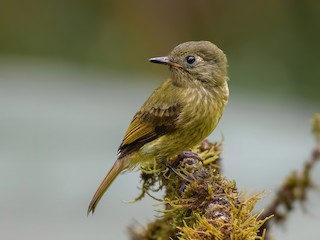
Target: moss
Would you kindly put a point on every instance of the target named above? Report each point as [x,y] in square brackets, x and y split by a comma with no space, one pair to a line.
[199,202]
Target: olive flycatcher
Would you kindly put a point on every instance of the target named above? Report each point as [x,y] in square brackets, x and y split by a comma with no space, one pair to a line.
[180,113]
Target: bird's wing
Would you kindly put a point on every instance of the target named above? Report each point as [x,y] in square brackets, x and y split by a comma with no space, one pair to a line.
[148,125]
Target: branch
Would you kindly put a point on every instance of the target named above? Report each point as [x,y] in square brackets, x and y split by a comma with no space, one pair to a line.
[199,202]
[294,188]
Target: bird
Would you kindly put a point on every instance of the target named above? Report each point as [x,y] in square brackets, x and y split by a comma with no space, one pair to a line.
[179,114]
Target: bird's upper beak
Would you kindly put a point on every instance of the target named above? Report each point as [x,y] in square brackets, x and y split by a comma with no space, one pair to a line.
[164,60]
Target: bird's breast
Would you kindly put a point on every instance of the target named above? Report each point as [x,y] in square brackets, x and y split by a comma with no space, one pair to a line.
[200,114]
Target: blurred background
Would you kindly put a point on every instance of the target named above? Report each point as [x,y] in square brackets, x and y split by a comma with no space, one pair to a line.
[73,73]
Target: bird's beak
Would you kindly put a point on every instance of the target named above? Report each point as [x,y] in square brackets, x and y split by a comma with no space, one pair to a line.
[164,60]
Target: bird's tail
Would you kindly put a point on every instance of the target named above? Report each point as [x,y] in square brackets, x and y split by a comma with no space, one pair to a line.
[117,167]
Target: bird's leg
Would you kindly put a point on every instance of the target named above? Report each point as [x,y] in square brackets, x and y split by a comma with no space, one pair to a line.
[175,162]
[185,154]
[171,167]
[184,177]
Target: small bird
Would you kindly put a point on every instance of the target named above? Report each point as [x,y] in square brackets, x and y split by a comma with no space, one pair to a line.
[180,113]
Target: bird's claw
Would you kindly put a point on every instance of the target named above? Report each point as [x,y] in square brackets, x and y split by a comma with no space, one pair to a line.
[186,154]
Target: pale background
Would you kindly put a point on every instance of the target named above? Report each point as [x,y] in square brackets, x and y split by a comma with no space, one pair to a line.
[73,74]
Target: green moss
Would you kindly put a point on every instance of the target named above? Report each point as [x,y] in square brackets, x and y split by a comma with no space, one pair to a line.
[199,202]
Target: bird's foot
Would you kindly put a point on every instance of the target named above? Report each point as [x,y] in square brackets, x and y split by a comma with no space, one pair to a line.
[186,154]
[170,166]
[176,161]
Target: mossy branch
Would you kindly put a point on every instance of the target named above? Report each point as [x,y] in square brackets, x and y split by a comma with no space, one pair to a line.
[295,187]
[200,203]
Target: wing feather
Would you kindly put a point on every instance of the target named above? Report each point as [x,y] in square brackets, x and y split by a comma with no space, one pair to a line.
[147,126]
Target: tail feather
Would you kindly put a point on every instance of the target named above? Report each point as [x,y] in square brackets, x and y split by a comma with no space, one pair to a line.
[117,167]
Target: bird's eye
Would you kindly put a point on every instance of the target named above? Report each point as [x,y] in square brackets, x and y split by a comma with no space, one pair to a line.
[190,59]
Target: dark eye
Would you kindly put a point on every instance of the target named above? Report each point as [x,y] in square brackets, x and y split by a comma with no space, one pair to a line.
[190,59]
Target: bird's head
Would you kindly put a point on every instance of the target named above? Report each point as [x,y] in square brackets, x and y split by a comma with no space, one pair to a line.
[196,61]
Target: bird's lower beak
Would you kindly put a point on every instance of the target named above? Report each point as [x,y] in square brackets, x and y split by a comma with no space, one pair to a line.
[164,60]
